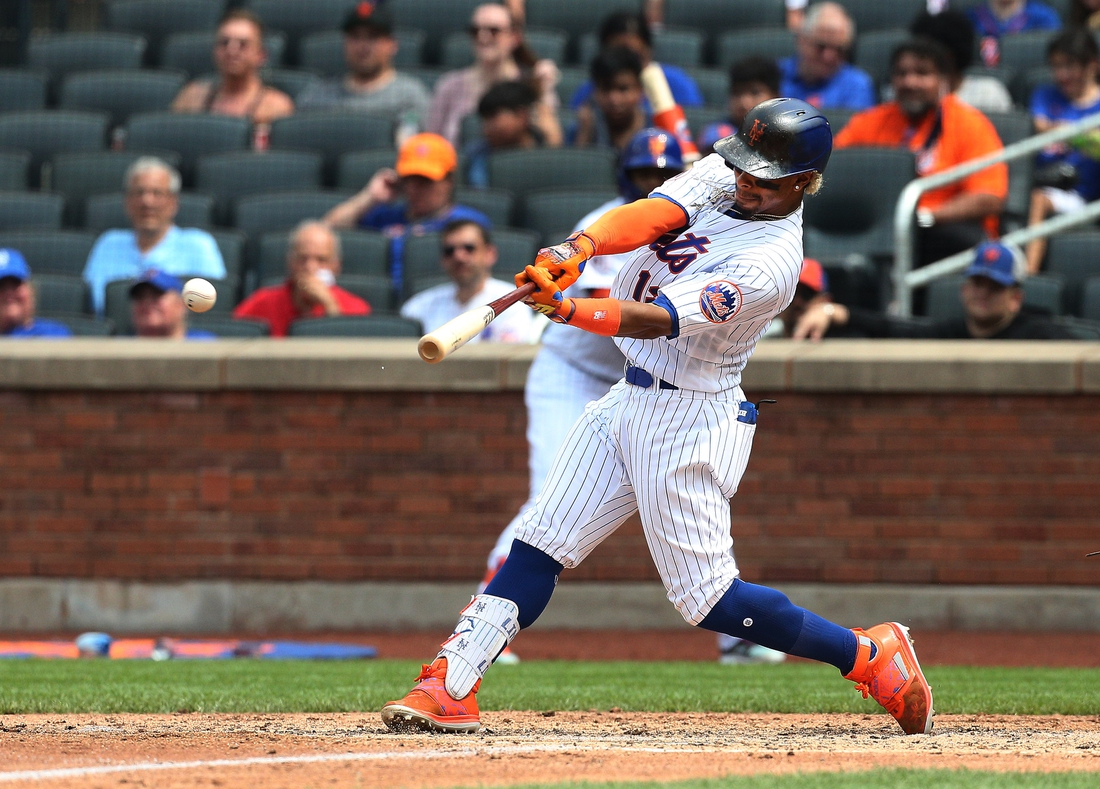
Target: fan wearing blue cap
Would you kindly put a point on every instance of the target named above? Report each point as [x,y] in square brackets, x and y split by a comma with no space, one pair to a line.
[18,301]
[992,298]
[157,309]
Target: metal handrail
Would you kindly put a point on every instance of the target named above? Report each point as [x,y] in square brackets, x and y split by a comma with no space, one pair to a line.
[905,279]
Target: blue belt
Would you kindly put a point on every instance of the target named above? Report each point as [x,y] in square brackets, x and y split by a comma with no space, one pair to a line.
[639,377]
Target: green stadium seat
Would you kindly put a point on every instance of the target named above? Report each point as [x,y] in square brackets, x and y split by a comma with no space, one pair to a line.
[30,211]
[229,328]
[22,89]
[193,52]
[189,135]
[552,168]
[228,177]
[121,93]
[549,211]
[156,19]
[51,251]
[46,133]
[356,326]
[60,294]
[80,325]
[78,176]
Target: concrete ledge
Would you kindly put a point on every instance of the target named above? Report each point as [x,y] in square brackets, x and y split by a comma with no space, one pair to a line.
[392,365]
[55,605]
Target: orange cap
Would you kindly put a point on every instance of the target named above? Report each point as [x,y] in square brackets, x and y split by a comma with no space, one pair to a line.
[813,276]
[428,155]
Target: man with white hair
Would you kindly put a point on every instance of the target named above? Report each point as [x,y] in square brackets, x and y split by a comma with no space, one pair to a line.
[152,201]
[313,262]
[820,73]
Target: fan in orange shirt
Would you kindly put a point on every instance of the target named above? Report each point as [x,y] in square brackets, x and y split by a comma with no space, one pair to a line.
[942,132]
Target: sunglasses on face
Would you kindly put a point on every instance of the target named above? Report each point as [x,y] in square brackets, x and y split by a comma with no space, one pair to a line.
[476,30]
[450,249]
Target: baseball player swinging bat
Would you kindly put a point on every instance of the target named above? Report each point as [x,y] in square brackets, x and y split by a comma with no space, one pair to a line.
[452,335]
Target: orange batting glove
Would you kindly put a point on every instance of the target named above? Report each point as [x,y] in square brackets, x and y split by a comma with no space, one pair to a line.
[564,262]
[548,299]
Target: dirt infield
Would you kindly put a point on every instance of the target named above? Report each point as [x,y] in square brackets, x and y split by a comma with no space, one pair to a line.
[354,750]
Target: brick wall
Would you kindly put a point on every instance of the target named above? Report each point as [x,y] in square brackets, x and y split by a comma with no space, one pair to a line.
[415,486]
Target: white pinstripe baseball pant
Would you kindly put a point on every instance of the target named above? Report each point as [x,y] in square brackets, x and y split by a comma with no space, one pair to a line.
[674,456]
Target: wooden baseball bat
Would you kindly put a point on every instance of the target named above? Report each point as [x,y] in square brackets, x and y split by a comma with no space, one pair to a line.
[667,114]
[452,335]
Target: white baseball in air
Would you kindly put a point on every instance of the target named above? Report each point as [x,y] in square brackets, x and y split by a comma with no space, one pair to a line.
[199,295]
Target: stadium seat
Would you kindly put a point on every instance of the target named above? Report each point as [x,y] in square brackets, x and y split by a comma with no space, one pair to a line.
[436,18]
[22,89]
[80,325]
[227,177]
[193,52]
[681,47]
[552,168]
[1090,298]
[354,170]
[549,211]
[497,204]
[873,52]
[1012,127]
[515,250]
[375,290]
[942,301]
[156,19]
[1023,83]
[48,132]
[61,54]
[107,211]
[323,53]
[333,134]
[190,136]
[231,246]
[225,327]
[1073,257]
[418,284]
[1022,52]
[51,251]
[458,48]
[427,75]
[575,17]
[1079,328]
[120,93]
[770,42]
[14,166]
[266,212]
[297,18]
[571,80]
[78,176]
[421,258]
[30,211]
[838,118]
[699,118]
[855,212]
[711,15]
[876,15]
[1043,293]
[364,252]
[290,81]
[60,294]
[117,306]
[713,83]
[356,326]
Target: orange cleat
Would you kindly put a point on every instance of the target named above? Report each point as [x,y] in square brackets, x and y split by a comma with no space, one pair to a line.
[429,707]
[893,677]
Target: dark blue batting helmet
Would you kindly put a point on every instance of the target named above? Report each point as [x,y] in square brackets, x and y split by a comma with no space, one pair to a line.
[779,137]
[649,148]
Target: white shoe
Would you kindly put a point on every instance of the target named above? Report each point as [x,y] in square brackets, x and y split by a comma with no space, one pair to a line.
[507,658]
[744,652]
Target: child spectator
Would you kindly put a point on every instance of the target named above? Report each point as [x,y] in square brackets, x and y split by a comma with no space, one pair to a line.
[614,113]
[505,113]
[752,80]
[1067,173]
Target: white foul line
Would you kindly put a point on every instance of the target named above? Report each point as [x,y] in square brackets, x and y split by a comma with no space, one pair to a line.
[83,772]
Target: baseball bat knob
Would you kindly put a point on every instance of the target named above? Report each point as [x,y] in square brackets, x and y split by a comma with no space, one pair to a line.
[430,350]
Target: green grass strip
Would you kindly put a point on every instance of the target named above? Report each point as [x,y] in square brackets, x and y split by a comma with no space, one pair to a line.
[870,779]
[45,686]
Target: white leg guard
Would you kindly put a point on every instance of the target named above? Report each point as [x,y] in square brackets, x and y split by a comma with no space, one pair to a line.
[485,627]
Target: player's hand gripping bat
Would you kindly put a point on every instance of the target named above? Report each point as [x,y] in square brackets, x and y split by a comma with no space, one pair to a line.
[435,346]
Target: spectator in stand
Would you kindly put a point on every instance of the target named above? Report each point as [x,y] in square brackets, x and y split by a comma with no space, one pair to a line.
[239,54]
[313,261]
[500,55]
[615,111]
[1085,13]
[425,178]
[18,301]
[467,257]
[371,84]
[157,309]
[506,125]
[752,80]
[819,72]
[152,200]
[929,120]
[995,19]
[954,31]
[812,289]
[992,296]
[1067,174]
[629,29]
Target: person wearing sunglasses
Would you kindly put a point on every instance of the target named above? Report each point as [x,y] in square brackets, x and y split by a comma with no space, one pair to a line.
[500,55]
[467,257]
[819,73]
[238,90]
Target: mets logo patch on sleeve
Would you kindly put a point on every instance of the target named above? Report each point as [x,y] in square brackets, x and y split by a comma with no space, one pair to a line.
[720,301]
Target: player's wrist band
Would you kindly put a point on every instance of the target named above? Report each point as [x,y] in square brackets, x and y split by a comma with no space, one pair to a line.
[599,316]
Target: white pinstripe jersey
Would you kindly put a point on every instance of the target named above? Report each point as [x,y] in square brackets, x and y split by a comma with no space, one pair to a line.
[725,279]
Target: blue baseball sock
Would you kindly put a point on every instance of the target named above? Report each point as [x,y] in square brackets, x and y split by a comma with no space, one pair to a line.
[767,617]
[527,578]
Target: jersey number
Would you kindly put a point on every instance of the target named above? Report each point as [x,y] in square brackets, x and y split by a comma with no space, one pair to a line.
[640,288]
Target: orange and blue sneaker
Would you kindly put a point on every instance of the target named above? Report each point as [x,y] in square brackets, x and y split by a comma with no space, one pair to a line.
[887,670]
[429,707]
